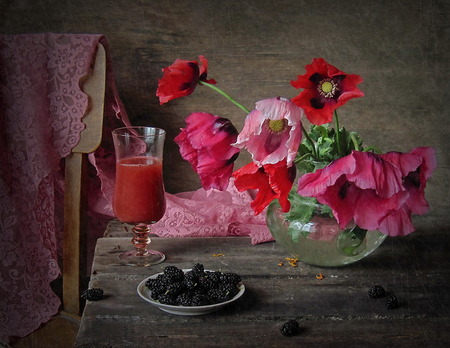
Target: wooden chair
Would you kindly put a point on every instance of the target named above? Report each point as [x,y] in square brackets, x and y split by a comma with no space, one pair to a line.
[75,197]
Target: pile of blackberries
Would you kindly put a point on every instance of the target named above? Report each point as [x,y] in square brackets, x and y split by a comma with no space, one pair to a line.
[196,287]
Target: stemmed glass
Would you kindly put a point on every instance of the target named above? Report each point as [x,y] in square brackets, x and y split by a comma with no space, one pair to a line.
[139,196]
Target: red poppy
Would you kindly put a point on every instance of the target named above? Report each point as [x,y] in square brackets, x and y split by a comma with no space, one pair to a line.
[378,192]
[271,180]
[206,144]
[181,78]
[325,89]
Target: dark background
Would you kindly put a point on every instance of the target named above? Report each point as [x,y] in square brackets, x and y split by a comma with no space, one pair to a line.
[254,49]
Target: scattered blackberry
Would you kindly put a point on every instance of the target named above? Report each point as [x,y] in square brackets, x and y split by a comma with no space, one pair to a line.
[290,328]
[173,274]
[376,291]
[93,294]
[392,302]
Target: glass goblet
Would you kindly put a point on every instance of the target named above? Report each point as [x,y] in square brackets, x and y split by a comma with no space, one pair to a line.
[139,196]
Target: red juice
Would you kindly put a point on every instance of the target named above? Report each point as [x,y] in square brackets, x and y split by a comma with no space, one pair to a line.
[139,190]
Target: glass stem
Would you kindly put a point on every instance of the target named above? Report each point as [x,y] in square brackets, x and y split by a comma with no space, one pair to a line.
[224,94]
[141,239]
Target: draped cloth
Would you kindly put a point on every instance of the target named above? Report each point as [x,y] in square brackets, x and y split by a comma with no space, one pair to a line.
[41,110]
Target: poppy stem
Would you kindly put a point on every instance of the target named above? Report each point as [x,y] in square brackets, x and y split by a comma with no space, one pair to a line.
[310,141]
[224,94]
[336,120]
[373,149]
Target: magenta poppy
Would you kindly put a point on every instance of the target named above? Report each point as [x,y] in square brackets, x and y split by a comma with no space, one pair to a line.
[273,181]
[181,78]
[378,192]
[206,144]
[325,89]
[272,132]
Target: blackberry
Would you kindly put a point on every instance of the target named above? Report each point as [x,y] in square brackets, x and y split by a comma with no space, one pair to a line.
[93,294]
[230,278]
[190,280]
[290,328]
[184,300]
[173,274]
[199,300]
[206,283]
[175,289]
[198,269]
[392,302]
[214,296]
[376,291]
[229,290]
[214,277]
[167,299]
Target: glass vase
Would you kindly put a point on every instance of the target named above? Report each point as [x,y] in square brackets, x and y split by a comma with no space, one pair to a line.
[319,241]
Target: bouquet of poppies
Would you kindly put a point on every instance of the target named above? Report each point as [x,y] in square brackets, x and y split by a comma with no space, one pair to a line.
[376,191]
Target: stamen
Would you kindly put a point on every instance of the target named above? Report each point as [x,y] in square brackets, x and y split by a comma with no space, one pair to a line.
[327,88]
[276,126]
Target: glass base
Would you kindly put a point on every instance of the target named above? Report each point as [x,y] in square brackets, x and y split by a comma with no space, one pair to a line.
[152,257]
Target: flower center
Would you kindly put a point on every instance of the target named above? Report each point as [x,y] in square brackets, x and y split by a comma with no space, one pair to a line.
[327,88]
[277,126]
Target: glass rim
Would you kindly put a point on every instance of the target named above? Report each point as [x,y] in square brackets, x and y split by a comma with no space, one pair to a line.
[122,132]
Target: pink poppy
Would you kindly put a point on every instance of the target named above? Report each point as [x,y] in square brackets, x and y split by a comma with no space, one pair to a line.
[206,144]
[272,132]
[378,192]
[181,78]
[272,181]
[325,89]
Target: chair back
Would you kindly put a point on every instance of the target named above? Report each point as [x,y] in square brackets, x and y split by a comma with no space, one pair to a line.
[75,193]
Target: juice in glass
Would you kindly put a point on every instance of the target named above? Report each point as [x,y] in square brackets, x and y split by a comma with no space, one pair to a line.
[139,190]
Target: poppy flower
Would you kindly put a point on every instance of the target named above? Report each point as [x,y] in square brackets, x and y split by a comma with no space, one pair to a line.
[272,132]
[206,144]
[181,78]
[378,192]
[271,180]
[325,89]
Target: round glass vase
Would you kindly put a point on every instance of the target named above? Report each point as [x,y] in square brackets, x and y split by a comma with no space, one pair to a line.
[319,241]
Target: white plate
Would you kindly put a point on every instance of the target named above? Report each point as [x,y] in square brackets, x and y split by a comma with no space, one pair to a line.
[145,293]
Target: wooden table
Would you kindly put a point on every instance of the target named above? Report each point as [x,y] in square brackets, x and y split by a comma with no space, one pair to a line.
[333,311]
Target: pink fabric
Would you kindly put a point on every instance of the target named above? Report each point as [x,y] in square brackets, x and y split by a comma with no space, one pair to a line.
[41,109]
[212,213]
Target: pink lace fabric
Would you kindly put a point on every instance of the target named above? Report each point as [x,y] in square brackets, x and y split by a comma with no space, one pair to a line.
[41,109]
[212,213]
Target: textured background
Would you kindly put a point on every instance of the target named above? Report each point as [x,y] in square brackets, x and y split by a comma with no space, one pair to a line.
[255,47]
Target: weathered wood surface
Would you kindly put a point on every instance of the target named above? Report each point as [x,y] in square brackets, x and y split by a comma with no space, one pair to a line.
[334,311]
